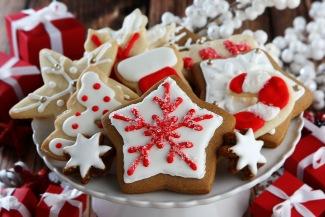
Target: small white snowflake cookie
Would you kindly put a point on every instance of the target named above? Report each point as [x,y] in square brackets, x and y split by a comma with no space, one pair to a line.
[244,153]
[165,140]
[86,154]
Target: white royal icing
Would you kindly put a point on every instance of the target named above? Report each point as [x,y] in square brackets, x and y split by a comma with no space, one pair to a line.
[263,111]
[255,81]
[56,145]
[272,132]
[131,24]
[86,121]
[248,149]
[137,67]
[85,153]
[157,157]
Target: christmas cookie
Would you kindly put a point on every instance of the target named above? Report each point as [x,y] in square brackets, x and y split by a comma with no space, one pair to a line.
[60,75]
[217,49]
[167,139]
[252,88]
[96,95]
[244,153]
[144,70]
[131,38]
[87,157]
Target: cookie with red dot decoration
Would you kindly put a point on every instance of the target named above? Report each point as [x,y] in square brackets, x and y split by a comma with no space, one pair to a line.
[252,87]
[95,96]
[167,139]
[143,71]
[219,49]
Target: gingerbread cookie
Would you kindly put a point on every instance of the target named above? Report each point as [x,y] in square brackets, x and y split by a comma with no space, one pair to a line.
[221,48]
[244,153]
[253,88]
[87,157]
[167,139]
[131,38]
[96,95]
[144,70]
[60,75]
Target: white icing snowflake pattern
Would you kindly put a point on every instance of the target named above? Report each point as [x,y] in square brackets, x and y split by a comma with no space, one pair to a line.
[248,149]
[85,153]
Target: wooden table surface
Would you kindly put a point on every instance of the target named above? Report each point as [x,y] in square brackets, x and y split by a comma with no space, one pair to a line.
[101,13]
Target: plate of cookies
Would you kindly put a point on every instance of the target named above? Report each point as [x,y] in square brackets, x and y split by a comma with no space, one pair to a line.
[163,118]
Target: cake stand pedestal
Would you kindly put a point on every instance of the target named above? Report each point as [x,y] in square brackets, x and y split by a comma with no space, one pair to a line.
[234,206]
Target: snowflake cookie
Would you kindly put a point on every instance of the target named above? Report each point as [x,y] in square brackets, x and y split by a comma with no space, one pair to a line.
[167,139]
[60,75]
[96,95]
[142,71]
[244,153]
[253,88]
[86,156]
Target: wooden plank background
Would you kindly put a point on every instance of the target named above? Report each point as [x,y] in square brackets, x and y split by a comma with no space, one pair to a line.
[101,13]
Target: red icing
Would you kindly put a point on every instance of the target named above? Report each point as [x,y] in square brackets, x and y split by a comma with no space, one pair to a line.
[84,98]
[236,83]
[246,120]
[106,99]
[96,86]
[105,111]
[124,53]
[148,81]
[162,131]
[209,53]
[75,126]
[95,108]
[274,93]
[58,145]
[77,114]
[236,48]
[188,63]
[96,40]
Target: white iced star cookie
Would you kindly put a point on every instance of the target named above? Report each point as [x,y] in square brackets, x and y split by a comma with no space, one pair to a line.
[244,153]
[86,154]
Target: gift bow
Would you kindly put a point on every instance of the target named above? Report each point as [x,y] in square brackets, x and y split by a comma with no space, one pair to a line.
[57,201]
[10,202]
[7,71]
[54,11]
[302,195]
[316,159]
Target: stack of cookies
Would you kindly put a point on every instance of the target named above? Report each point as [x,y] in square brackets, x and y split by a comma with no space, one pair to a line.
[165,104]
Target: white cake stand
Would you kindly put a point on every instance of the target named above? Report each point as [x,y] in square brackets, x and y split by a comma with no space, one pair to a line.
[229,195]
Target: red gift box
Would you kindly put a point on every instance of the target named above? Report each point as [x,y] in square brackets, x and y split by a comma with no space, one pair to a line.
[264,204]
[307,163]
[15,82]
[46,28]
[63,202]
[20,201]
